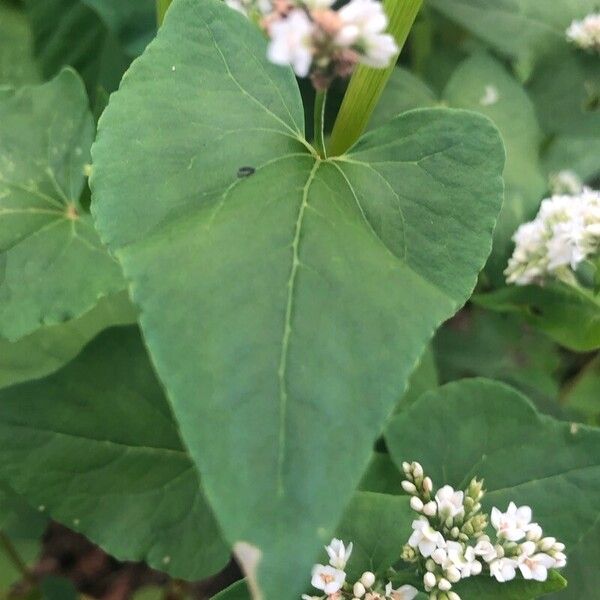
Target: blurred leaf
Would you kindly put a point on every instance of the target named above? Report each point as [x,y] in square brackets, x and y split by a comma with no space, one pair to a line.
[58,588]
[95,444]
[479,343]
[53,267]
[486,429]
[49,348]
[17,64]
[578,154]
[568,315]
[382,476]
[423,379]
[486,588]
[581,395]
[17,518]
[237,591]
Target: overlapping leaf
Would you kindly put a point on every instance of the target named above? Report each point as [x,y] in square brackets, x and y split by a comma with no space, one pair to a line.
[488,430]
[284,310]
[95,447]
[52,265]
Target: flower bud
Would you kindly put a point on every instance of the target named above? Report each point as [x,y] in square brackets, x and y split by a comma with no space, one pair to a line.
[547,543]
[452,574]
[454,532]
[444,585]
[416,504]
[429,581]
[430,509]
[417,470]
[476,568]
[559,547]
[534,534]
[475,489]
[427,485]
[430,565]
[359,589]
[439,556]
[367,579]
[453,596]
[409,487]
[499,550]
[406,468]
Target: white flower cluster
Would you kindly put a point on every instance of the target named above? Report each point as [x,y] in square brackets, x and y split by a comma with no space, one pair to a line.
[449,542]
[331,580]
[586,33]
[565,232]
[317,40]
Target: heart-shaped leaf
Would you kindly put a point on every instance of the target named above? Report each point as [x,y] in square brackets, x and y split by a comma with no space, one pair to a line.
[95,447]
[300,292]
[486,429]
[52,265]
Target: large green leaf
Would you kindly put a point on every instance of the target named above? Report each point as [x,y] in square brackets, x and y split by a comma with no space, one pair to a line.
[49,348]
[486,429]
[95,446]
[522,29]
[486,588]
[298,298]
[581,396]
[17,65]
[52,265]
[570,316]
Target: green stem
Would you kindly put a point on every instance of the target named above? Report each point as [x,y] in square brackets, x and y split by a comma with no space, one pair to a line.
[161,10]
[367,84]
[319,122]
[15,558]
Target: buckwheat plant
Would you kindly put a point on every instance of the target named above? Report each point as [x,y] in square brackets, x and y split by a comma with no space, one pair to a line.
[564,234]
[319,41]
[586,33]
[449,541]
[331,580]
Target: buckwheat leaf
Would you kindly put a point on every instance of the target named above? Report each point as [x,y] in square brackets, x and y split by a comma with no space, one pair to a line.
[278,291]
[49,348]
[568,315]
[378,525]
[53,267]
[237,591]
[486,429]
[17,65]
[95,447]
[522,29]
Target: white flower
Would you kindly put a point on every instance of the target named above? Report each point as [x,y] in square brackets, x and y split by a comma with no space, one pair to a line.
[327,578]
[291,42]
[532,564]
[318,4]
[363,26]
[406,592]
[338,553]
[425,538]
[307,597]
[586,33]
[511,525]
[367,579]
[566,182]
[449,502]
[503,569]
[462,558]
[264,7]
[416,504]
[485,549]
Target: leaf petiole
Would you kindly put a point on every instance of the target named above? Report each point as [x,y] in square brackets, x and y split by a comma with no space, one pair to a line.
[319,123]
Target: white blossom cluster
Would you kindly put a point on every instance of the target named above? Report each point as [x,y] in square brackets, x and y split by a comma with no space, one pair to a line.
[317,40]
[565,232]
[331,580]
[586,33]
[449,542]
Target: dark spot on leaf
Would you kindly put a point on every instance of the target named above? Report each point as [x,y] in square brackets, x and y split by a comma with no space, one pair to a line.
[246,171]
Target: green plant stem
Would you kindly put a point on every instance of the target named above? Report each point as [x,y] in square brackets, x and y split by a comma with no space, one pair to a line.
[367,84]
[161,10]
[319,123]
[15,558]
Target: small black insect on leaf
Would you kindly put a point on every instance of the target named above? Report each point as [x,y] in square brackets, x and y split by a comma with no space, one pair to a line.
[245,171]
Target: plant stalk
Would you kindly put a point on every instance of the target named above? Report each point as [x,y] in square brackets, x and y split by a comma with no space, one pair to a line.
[15,558]
[161,10]
[367,84]
[319,123]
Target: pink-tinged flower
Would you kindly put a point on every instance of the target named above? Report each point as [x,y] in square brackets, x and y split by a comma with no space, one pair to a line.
[533,564]
[327,578]
[511,525]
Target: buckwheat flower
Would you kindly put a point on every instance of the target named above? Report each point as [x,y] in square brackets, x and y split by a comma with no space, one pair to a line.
[429,581]
[405,592]
[511,525]
[566,182]
[338,553]
[291,42]
[425,538]
[503,569]
[533,564]
[586,33]
[485,549]
[363,26]
[367,579]
[449,502]
[327,578]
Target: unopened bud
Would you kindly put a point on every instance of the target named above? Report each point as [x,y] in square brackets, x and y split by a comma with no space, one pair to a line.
[463,537]
[409,487]
[367,579]
[427,485]
[406,468]
[359,589]
[452,574]
[416,504]
[430,565]
[559,547]
[444,585]
[454,532]
[417,470]
[547,543]
[439,556]
[476,568]
[534,534]
[429,581]
[430,509]
[453,596]
[475,489]
[468,528]
[409,554]
[499,550]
